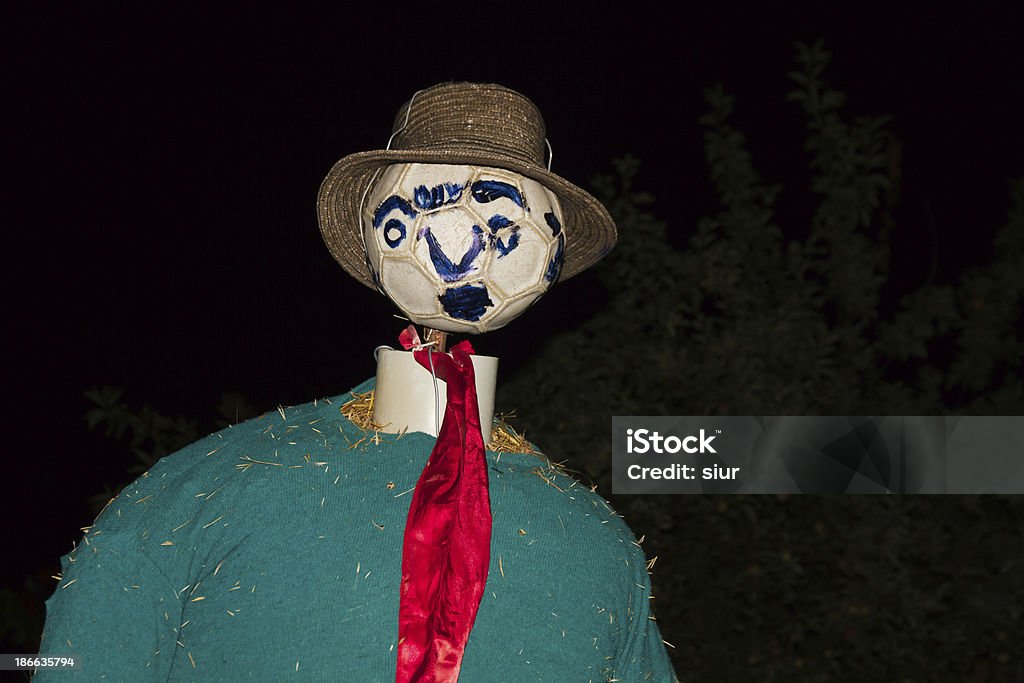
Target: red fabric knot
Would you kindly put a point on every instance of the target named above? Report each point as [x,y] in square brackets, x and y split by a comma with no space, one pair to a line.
[447,545]
[410,339]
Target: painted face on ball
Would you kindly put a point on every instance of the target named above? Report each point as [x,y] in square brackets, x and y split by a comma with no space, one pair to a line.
[462,248]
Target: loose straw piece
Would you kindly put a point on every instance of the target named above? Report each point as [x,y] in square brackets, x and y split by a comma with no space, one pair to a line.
[504,439]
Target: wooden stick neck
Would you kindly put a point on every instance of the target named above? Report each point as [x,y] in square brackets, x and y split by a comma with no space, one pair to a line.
[439,337]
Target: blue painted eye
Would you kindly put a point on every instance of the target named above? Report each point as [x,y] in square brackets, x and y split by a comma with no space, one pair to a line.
[505,247]
[392,203]
[497,222]
[394,232]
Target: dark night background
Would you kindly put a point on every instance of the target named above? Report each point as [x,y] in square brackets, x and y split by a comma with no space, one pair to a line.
[163,164]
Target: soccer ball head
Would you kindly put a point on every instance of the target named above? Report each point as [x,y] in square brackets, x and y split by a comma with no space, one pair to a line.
[461,248]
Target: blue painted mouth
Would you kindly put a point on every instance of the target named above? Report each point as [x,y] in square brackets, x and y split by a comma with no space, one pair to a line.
[468,302]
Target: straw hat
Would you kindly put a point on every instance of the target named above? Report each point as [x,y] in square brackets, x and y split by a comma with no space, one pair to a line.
[481,124]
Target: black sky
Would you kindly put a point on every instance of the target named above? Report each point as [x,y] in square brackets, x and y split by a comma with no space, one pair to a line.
[163,165]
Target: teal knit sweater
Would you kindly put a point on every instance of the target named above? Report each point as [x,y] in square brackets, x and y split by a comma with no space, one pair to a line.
[272,551]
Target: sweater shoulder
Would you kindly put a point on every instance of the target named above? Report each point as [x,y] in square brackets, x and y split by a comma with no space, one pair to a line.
[542,511]
[232,464]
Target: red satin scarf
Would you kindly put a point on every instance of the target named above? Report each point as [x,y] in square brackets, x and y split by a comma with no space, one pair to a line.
[447,546]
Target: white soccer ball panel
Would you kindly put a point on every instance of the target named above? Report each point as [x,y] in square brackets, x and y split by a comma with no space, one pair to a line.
[409,287]
[447,324]
[514,309]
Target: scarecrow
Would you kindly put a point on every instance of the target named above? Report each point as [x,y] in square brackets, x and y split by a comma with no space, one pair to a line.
[398,532]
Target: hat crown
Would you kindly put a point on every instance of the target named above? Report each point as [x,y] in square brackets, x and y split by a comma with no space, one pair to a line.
[480,116]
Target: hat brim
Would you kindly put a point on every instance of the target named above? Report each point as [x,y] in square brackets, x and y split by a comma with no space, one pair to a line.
[589,228]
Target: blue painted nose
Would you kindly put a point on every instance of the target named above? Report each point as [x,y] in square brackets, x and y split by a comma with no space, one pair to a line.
[448,270]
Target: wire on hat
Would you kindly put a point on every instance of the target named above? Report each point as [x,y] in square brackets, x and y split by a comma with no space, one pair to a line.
[408,110]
